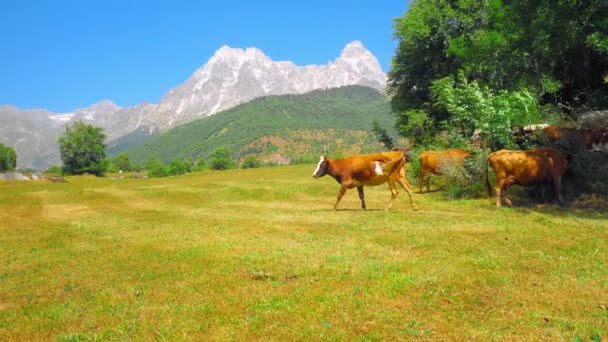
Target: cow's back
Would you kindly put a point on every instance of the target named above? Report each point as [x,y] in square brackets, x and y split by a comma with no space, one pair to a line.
[372,169]
[432,161]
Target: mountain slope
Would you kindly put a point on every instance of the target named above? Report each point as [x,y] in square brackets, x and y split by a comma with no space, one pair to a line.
[279,128]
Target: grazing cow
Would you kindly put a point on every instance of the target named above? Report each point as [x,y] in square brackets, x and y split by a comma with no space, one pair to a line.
[431,162]
[525,168]
[366,170]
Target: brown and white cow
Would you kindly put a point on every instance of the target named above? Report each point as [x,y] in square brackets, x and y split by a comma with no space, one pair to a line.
[525,168]
[366,170]
[432,162]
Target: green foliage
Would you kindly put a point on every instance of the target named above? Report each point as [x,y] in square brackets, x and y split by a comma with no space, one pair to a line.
[179,167]
[121,162]
[417,125]
[466,181]
[8,158]
[337,110]
[505,55]
[54,170]
[221,159]
[250,162]
[200,165]
[82,149]
[473,107]
[156,168]
[382,135]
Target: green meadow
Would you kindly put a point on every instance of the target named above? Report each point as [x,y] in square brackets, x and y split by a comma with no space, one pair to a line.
[258,254]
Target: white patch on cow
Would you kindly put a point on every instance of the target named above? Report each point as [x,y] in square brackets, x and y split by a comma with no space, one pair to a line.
[378,169]
[318,165]
[535,127]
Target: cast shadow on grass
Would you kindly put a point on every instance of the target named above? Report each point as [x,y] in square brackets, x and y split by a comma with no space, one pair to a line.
[590,206]
[345,209]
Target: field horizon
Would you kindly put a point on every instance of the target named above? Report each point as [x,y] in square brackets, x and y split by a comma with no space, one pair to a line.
[260,254]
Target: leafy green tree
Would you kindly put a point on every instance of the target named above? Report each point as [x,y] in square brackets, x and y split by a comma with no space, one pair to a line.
[250,162]
[556,50]
[82,149]
[122,162]
[8,158]
[221,159]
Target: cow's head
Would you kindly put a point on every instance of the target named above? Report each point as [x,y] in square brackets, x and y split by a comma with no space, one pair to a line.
[322,168]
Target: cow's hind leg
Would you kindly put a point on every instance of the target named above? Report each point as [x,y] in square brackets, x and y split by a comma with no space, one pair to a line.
[394,192]
[506,185]
[421,179]
[340,195]
[362,197]
[406,186]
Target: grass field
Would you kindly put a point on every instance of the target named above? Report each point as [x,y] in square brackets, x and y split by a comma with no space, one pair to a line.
[258,254]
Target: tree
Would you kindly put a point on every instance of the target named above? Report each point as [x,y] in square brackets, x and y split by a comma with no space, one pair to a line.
[382,135]
[221,159]
[82,149]
[555,49]
[121,162]
[8,158]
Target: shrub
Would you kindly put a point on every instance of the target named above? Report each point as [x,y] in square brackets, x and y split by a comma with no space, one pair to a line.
[475,107]
[466,181]
[250,162]
[200,165]
[179,167]
[157,169]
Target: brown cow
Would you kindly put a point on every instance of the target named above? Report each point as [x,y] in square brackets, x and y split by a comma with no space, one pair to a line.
[366,170]
[525,168]
[431,162]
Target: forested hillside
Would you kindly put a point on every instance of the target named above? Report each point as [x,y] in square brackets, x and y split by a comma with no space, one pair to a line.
[279,128]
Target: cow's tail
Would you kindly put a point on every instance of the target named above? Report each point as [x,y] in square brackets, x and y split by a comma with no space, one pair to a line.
[485,175]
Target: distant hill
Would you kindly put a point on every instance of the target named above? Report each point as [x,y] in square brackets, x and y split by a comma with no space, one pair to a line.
[279,128]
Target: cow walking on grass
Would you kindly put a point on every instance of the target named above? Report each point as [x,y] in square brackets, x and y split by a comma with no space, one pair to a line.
[431,162]
[366,170]
[525,168]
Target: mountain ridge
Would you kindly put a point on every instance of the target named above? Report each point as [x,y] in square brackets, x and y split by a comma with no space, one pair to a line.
[232,76]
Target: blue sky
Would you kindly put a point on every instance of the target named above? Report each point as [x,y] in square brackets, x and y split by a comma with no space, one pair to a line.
[63,55]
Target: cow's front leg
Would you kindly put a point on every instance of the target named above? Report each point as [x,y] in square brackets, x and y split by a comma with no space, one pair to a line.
[341,192]
[406,186]
[362,197]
